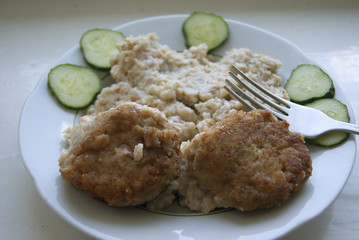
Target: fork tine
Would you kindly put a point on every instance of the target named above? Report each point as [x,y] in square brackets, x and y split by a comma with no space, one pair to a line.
[255,93]
[249,101]
[244,98]
[237,96]
[254,83]
[263,95]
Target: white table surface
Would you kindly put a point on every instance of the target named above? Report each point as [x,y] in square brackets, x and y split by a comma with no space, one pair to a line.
[33,34]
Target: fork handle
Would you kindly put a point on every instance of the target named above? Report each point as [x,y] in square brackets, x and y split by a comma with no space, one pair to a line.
[346,127]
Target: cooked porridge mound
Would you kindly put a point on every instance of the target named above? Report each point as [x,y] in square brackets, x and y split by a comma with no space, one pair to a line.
[246,161]
[127,155]
[186,86]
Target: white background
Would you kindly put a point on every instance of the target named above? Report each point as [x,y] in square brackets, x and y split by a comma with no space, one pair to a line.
[34,34]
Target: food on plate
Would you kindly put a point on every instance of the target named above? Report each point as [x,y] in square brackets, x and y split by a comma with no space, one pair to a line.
[208,28]
[98,46]
[309,82]
[246,161]
[74,86]
[336,110]
[186,90]
[126,156]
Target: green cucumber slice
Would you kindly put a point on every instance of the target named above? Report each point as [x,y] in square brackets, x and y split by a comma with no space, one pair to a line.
[99,45]
[74,87]
[309,82]
[336,110]
[208,28]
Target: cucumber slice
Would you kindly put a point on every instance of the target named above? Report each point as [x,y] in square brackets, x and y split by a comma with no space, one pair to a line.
[309,82]
[336,110]
[206,28]
[99,45]
[75,87]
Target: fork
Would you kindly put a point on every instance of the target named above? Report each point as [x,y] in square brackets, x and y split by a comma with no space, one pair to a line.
[308,121]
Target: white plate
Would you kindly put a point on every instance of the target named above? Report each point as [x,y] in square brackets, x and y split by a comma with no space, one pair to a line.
[40,136]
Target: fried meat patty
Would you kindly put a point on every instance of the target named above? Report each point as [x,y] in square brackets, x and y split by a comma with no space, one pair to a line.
[249,160]
[127,155]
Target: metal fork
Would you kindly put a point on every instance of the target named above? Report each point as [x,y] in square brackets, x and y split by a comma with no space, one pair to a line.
[308,121]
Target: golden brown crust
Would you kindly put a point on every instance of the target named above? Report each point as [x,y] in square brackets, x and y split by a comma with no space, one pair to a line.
[101,156]
[250,160]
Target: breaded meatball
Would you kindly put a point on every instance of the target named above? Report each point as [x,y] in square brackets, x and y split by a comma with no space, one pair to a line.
[249,160]
[126,156]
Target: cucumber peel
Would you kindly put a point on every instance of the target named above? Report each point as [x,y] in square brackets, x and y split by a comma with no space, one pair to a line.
[336,110]
[74,86]
[309,82]
[208,28]
[99,45]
